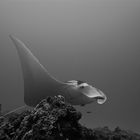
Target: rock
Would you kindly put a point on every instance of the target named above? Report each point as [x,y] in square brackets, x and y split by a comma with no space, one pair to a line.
[53,119]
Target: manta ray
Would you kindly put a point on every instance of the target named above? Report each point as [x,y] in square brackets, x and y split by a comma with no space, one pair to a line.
[39,83]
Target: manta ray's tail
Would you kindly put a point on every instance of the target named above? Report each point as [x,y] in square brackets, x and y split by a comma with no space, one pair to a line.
[19,108]
[38,83]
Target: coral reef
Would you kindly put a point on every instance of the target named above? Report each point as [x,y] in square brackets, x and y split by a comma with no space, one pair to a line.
[53,119]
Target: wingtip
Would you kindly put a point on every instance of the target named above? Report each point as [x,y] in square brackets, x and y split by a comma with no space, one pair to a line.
[17,43]
[11,36]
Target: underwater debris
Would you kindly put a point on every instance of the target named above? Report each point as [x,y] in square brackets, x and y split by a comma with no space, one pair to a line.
[53,119]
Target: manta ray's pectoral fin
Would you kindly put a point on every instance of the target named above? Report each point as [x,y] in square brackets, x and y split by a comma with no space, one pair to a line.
[38,83]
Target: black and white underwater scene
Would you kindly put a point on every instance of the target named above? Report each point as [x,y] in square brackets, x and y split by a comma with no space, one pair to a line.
[69,70]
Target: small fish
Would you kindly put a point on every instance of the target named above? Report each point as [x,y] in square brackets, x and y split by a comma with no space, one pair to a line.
[89,112]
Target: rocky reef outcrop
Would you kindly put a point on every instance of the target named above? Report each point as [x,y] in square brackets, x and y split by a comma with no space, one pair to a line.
[53,119]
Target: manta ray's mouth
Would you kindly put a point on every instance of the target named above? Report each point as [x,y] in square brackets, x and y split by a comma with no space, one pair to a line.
[96,94]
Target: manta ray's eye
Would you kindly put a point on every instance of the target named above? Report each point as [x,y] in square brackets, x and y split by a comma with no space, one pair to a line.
[82,87]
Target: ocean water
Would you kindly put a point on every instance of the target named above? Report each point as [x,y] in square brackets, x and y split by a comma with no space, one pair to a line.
[93,41]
